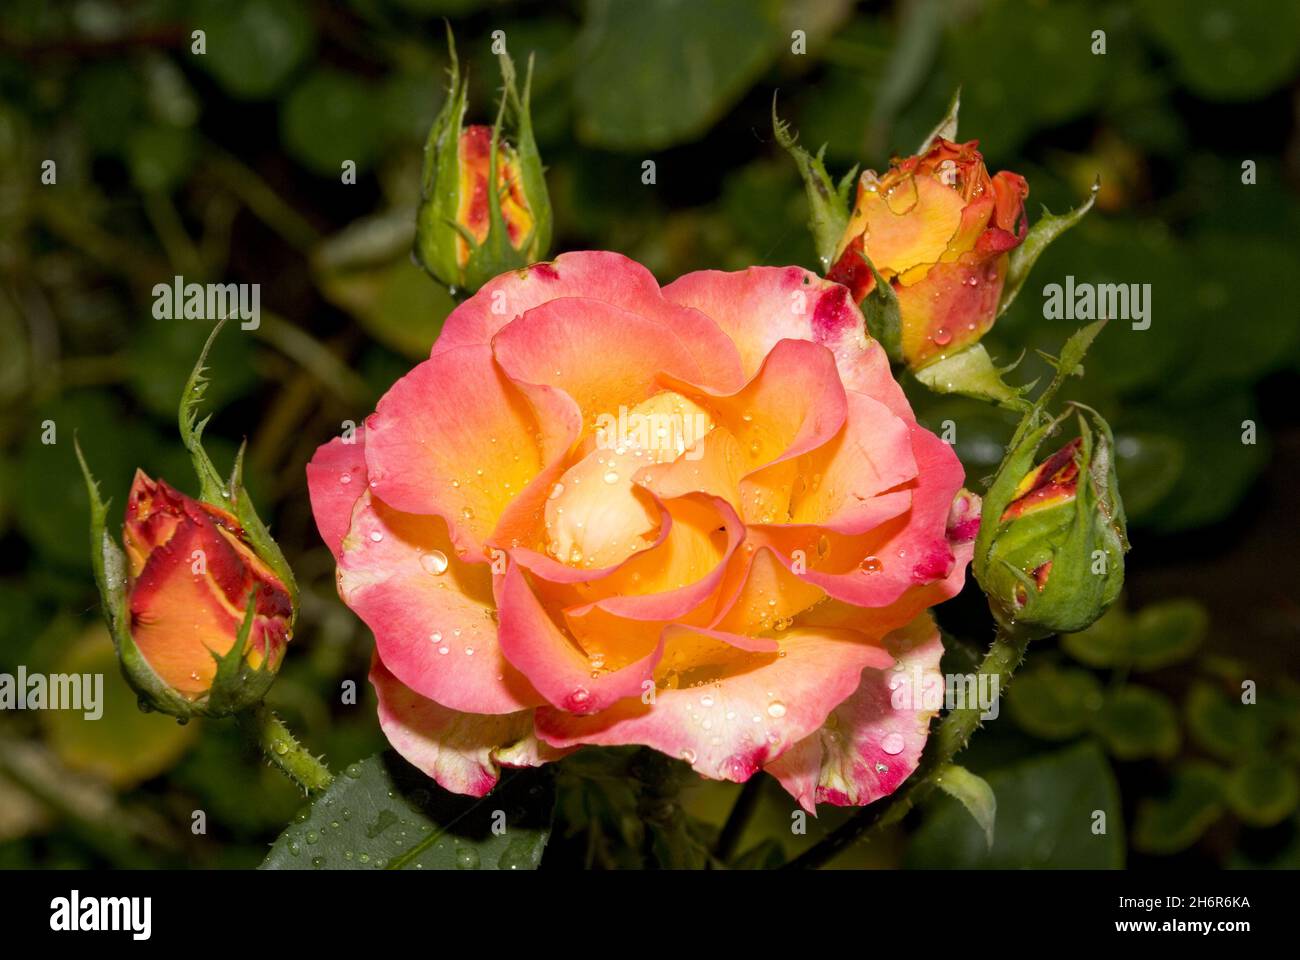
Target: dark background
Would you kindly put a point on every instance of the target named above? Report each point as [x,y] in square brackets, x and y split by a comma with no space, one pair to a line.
[226,166]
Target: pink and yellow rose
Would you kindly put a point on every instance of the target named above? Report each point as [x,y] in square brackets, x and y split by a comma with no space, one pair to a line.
[701,518]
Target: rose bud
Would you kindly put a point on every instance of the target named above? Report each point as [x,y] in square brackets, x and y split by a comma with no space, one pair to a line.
[1052,560]
[938,229]
[484,207]
[205,619]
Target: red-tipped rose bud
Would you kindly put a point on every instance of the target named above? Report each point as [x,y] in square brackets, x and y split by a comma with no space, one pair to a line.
[484,208]
[938,229]
[1052,558]
[191,577]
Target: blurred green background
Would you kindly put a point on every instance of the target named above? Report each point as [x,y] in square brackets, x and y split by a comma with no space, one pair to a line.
[227,166]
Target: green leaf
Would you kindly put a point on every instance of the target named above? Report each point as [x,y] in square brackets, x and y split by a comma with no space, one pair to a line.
[1046,816]
[1227,49]
[1160,635]
[160,157]
[1147,464]
[330,117]
[1040,235]
[655,74]
[1228,730]
[253,45]
[1054,703]
[1262,792]
[382,813]
[974,793]
[1135,722]
[1177,820]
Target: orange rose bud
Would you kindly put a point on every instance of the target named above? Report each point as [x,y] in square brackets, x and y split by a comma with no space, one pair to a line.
[191,577]
[938,229]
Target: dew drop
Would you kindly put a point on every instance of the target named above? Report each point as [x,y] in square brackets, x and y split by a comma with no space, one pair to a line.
[871,565]
[467,859]
[434,563]
[376,536]
[776,709]
[892,744]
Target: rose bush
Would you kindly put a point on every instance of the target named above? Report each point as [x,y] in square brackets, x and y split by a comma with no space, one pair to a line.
[702,519]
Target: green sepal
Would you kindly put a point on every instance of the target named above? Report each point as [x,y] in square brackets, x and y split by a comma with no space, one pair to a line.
[108,561]
[435,245]
[947,127]
[971,372]
[238,686]
[231,495]
[1048,228]
[880,309]
[828,203]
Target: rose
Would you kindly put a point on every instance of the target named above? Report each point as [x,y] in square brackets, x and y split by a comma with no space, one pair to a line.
[1051,556]
[192,578]
[938,229]
[484,207]
[701,519]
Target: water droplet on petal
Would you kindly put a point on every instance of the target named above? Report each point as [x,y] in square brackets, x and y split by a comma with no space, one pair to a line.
[892,744]
[776,709]
[434,562]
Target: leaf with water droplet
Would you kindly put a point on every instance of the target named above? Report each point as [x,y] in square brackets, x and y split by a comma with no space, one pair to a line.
[394,817]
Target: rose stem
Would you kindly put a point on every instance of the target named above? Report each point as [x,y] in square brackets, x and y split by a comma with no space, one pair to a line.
[1004,656]
[282,750]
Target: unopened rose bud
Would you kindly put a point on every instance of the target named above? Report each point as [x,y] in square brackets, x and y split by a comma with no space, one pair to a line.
[1051,556]
[938,229]
[484,208]
[199,619]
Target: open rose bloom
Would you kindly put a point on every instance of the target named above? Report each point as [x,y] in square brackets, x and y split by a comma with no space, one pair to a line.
[700,518]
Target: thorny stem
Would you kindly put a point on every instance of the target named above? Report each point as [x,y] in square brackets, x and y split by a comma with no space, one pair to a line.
[283,751]
[954,732]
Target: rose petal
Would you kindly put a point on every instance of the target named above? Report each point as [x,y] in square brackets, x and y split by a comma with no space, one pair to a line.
[728,724]
[592,275]
[431,613]
[336,477]
[872,741]
[455,438]
[553,662]
[463,752]
[761,306]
